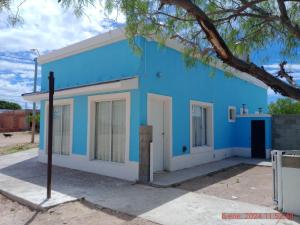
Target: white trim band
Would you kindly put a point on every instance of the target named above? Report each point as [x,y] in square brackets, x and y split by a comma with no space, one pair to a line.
[254,115]
[127,84]
[126,171]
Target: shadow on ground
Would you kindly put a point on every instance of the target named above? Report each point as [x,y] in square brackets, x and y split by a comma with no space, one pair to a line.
[215,177]
[105,191]
[247,183]
[170,206]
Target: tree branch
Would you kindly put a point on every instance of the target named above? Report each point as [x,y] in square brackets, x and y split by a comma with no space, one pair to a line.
[282,73]
[294,29]
[224,53]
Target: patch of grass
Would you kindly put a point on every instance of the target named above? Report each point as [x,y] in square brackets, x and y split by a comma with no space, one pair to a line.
[16,148]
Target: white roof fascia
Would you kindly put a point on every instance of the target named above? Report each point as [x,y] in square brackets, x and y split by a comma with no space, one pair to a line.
[82,46]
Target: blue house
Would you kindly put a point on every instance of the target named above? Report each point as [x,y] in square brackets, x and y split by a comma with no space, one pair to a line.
[104,92]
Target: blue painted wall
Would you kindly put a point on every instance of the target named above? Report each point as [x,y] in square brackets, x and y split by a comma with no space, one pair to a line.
[117,60]
[185,84]
[80,125]
[107,63]
[242,131]
[80,122]
[42,123]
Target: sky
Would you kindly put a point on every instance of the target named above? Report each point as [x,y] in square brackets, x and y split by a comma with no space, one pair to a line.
[55,27]
[45,30]
[269,58]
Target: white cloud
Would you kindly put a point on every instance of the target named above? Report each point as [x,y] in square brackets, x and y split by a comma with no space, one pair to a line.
[296,76]
[12,91]
[47,26]
[19,71]
[7,76]
[272,96]
[288,66]
[16,66]
[293,69]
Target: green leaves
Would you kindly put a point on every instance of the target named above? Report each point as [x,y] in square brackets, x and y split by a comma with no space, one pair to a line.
[284,106]
[9,105]
[245,26]
[244,30]
[189,57]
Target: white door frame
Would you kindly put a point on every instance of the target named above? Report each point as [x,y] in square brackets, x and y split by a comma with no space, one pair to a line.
[169,151]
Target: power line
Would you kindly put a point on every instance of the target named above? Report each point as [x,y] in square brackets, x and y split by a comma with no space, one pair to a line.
[13,57]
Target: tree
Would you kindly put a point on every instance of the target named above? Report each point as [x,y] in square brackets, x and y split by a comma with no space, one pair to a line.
[284,106]
[9,105]
[217,29]
[37,120]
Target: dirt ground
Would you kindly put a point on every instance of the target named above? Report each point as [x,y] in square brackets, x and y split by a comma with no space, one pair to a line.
[247,183]
[19,141]
[75,213]
[17,138]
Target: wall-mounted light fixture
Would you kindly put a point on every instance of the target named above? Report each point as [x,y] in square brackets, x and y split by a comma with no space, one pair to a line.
[158,74]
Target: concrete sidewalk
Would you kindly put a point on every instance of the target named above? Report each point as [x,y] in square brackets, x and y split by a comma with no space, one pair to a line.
[169,179]
[22,176]
[19,173]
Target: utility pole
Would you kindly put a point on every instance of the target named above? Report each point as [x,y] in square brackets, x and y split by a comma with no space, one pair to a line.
[34,104]
[50,133]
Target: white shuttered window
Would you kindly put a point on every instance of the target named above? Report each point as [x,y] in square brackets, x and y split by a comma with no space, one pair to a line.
[61,129]
[110,130]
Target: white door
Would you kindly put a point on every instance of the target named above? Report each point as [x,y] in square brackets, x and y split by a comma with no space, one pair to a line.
[157,120]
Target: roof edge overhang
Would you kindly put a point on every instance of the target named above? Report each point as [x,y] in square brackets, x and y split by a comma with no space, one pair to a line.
[85,45]
[115,85]
[118,35]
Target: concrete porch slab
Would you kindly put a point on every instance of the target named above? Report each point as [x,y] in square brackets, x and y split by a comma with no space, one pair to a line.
[22,175]
[169,179]
[26,192]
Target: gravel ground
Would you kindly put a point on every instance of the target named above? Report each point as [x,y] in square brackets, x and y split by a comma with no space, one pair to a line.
[247,183]
[17,138]
[75,213]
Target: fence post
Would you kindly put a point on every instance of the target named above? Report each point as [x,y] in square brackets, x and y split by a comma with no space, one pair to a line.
[145,159]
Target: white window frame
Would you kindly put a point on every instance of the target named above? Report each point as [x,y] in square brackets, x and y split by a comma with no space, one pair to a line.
[91,123]
[69,102]
[210,127]
[235,114]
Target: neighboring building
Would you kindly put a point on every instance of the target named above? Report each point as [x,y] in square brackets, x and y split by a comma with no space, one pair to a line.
[14,120]
[105,92]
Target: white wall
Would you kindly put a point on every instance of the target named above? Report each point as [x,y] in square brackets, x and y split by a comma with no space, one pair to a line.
[126,171]
[291,190]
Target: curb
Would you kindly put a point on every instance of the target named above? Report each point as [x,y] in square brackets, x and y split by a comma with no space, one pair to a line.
[31,205]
